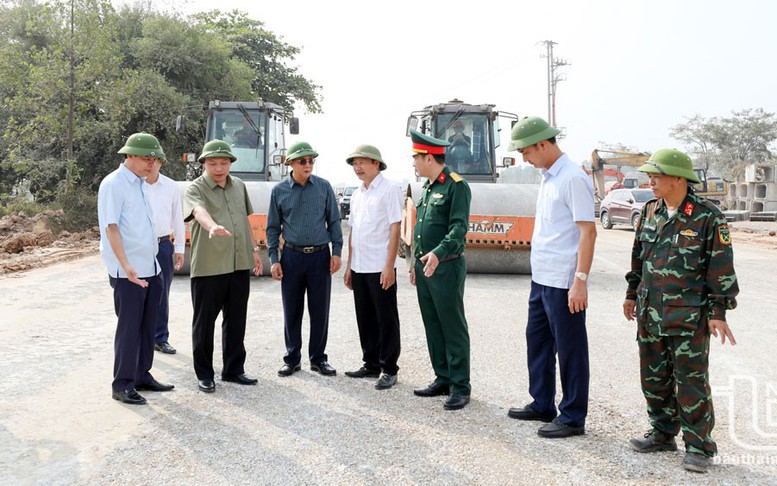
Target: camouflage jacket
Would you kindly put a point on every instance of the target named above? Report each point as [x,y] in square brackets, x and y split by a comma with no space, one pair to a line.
[682,268]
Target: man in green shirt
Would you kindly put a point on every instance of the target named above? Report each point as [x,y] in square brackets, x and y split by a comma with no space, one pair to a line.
[442,219]
[223,253]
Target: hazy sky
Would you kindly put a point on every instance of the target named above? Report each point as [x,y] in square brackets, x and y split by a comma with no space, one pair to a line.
[637,68]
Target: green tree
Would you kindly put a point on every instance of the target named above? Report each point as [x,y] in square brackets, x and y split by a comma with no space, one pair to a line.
[727,144]
[119,72]
[267,55]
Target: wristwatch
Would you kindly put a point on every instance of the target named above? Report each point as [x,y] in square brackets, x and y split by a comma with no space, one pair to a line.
[582,276]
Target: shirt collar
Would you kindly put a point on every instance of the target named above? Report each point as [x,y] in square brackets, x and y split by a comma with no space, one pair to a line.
[376,182]
[212,184]
[557,165]
[445,170]
[130,176]
[292,181]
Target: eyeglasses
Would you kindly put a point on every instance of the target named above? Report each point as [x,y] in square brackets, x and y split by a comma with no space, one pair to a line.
[306,160]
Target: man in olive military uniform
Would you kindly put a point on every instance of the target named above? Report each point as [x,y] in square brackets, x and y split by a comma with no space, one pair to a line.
[442,218]
[680,285]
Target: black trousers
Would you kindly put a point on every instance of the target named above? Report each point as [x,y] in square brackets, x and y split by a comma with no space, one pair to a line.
[378,321]
[136,307]
[227,294]
[305,273]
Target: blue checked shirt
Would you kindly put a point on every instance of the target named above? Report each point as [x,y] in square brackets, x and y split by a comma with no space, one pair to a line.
[305,216]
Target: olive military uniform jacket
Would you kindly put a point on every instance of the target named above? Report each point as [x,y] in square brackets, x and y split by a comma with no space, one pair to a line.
[682,268]
[442,216]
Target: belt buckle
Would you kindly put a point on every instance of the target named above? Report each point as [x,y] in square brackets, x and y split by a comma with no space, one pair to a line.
[308,249]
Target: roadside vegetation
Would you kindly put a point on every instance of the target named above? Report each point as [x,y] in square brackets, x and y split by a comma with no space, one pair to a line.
[78,77]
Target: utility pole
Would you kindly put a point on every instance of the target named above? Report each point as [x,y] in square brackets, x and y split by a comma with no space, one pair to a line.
[553,78]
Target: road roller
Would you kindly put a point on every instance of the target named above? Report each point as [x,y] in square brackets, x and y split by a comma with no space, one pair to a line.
[501,219]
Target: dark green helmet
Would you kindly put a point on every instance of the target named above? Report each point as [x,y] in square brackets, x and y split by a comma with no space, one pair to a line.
[216,148]
[300,149]
[529,131]
[670,162]
[144,145]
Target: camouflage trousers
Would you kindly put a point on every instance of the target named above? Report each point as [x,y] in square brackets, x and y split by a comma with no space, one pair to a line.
[674,374]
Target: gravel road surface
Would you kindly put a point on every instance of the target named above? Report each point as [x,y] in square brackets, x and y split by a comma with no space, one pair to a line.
[59,425]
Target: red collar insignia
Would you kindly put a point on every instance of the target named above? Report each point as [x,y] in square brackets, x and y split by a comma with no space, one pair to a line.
[441,179]
[688,210]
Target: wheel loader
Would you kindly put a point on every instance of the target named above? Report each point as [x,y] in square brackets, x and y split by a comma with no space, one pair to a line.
[501,218]
[256,132]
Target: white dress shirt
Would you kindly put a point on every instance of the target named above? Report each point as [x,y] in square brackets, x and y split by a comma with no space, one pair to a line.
[168,215]
[373,210]
[566,196]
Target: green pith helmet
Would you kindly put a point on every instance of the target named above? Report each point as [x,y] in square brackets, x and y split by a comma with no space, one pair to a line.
[300,149]
[214,149]
[670,162]
[144,145]
[368,152]
[529,131]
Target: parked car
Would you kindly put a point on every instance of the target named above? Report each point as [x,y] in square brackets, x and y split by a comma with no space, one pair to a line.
[622,206]
[345,201]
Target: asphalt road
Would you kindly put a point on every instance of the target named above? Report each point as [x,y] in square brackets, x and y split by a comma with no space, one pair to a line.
[59,425]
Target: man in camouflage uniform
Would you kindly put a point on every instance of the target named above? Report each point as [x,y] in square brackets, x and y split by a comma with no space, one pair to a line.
[680,285]
[439,272]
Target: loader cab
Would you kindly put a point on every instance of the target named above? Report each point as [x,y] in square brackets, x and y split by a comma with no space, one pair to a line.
[255,131]
[473,134]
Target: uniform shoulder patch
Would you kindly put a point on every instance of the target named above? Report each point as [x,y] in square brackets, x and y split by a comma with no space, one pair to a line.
[456,177]
[724,234]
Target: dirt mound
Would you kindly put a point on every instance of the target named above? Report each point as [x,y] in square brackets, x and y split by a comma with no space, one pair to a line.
[35,241]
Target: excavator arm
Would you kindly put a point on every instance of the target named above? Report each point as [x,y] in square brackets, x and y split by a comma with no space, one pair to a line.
[616,157]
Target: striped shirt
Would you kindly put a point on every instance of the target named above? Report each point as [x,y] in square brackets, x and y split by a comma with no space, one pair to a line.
[305,216]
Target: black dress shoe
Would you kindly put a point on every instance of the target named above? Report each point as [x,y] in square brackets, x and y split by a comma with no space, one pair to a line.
[243,379]
[386,381]
[455,402]
[433,390]
[154,386]
[130,397]
[288,370]
[323,368]
[164,348]
[559,430]
[363,373]
[527,413]
[208,386]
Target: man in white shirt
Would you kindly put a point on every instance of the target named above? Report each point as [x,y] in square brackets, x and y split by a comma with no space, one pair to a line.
[562,250]
[168,219]
[376,212]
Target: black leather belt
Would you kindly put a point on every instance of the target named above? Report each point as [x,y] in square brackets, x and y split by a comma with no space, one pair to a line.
[451,257]
[163,238]
[305,249]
